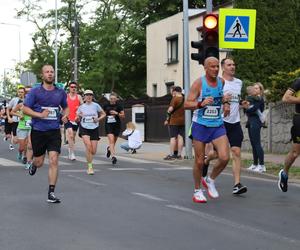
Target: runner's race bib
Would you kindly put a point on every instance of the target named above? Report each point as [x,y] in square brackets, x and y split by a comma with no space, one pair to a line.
[111,119]
[53,113]
[28,124]
[211,112]
[88,119]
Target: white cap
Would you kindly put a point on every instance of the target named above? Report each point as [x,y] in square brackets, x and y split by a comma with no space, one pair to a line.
[88,91]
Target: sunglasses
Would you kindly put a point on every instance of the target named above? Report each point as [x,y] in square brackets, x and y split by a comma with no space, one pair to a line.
[73,87]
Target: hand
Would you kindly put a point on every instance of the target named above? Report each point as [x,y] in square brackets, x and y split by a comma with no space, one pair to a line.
[245,104]
[64,119]
[45,113]
[113,112]
[96,119]
[226,109]
[207,101]
[227,97]
[166,122]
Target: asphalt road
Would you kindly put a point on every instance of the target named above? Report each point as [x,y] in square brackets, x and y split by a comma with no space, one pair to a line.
[139,205]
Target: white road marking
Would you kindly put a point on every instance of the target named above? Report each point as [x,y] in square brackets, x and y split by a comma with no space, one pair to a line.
[173,168]
[135,160]
[87,181]
[83,159]
[235,225]
[127,169]
[76,170]
[9,163]
[150,197]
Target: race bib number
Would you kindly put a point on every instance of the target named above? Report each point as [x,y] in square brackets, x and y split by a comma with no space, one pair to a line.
[111,119]
[28,124]
[211,112]
[88,119]
[53,113]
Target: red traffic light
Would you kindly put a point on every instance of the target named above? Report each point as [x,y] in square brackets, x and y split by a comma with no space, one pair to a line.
[210,21]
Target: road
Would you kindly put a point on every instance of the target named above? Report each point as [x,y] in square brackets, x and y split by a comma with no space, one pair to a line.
[139,205]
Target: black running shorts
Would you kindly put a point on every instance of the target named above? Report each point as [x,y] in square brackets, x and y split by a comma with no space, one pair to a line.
[234,133]
[43,141]
[92,133]
[113,128]
[295,130]
[175,130]
[10,128]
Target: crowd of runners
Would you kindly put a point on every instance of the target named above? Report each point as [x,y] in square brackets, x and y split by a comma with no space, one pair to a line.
[33,120]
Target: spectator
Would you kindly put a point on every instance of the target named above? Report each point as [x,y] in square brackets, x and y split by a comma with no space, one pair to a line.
[254,125]
[175,120]
[134,138]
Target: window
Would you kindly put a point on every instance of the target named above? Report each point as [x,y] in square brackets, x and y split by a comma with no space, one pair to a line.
[172,46]
[154,90]
[169,85]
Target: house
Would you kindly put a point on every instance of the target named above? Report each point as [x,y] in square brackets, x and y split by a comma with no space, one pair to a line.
[165,51]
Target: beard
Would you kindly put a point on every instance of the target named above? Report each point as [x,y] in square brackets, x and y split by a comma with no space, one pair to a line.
[49,80]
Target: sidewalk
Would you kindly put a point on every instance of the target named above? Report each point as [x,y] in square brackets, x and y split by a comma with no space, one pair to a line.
[157,151]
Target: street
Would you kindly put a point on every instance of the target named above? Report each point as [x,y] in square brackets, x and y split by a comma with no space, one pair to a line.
[140,204]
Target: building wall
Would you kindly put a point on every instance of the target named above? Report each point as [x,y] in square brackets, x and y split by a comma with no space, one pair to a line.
[158,71]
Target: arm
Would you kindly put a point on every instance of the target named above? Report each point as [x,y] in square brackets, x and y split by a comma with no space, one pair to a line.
[127,132]
[289,97]
[34,114]
[101,115]
[253,108]
[66,112]
[122,114]
[16,109]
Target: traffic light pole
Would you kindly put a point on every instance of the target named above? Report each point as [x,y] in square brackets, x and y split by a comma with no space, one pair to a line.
[186,73]
[209,6]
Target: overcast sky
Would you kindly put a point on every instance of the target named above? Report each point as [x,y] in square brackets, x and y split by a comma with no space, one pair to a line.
[9,42]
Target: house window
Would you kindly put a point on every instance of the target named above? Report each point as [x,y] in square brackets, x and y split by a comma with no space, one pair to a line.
[169,86]
[172,45]
[154,90]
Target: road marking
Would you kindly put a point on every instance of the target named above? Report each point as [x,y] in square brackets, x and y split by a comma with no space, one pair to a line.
[87,181]
[8,163]
[174,168]
[76,170]
[235,225]
[83,159]
[127,169]
[135,160]
[150,197]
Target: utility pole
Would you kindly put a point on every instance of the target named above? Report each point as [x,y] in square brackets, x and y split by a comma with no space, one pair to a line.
[75,45]
[55,44]
[209,6]
[186,75]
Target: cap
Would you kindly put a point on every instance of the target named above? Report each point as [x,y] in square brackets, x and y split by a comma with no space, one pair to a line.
[88,91]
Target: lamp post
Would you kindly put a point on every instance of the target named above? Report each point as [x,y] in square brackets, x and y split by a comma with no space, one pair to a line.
[19,27]
[55,44]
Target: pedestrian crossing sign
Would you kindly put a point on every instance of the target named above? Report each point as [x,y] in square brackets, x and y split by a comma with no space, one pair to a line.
[237,28]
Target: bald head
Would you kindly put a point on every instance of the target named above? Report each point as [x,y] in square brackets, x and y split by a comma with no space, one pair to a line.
[209,60]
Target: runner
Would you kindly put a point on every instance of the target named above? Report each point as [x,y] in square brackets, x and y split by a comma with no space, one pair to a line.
[13,120]
[74,101]
[206,98]
[90,113]
[114,112]
[23,135]
[232,87]
[292,96]
[43,104]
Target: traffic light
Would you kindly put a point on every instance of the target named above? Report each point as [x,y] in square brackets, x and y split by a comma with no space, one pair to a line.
[209,45]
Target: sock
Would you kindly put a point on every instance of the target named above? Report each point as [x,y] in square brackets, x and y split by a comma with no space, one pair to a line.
[90,165]
[51,189]
[176,152]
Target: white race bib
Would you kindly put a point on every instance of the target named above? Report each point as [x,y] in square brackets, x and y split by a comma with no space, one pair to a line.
[111,119]
[88,119]
[28,124]
[211,112]
[53,113]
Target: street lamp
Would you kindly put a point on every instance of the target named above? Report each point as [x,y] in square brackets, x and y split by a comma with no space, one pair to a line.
[19,27]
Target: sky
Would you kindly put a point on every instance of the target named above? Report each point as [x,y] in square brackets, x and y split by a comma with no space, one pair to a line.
[11,28]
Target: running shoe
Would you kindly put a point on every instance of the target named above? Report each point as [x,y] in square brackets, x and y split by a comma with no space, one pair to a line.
[179,157]
[27,165]
[32,169]
[252,167]
[19,156]
[108,153]
[4,138]
[11,147]
[52,198]
[170,157]
[283,181]
[209,184]
[239,189]
[72,156]
[199,197]
[114,160]
[260,169]
[24,159]
[90,171]
[133,151]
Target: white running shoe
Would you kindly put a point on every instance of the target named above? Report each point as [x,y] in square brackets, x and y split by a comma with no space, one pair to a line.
[252,167]
[72,156]
[260,169]
[199,197]
[209,184]
[11,147]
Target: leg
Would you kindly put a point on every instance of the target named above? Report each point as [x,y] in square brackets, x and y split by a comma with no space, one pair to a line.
[291,157]
[251,133]
[199,149]
[53,167]
[70,138]
[111,142]
[236,164]
[221,145]
[180,144]
[125,146]
[88,148]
